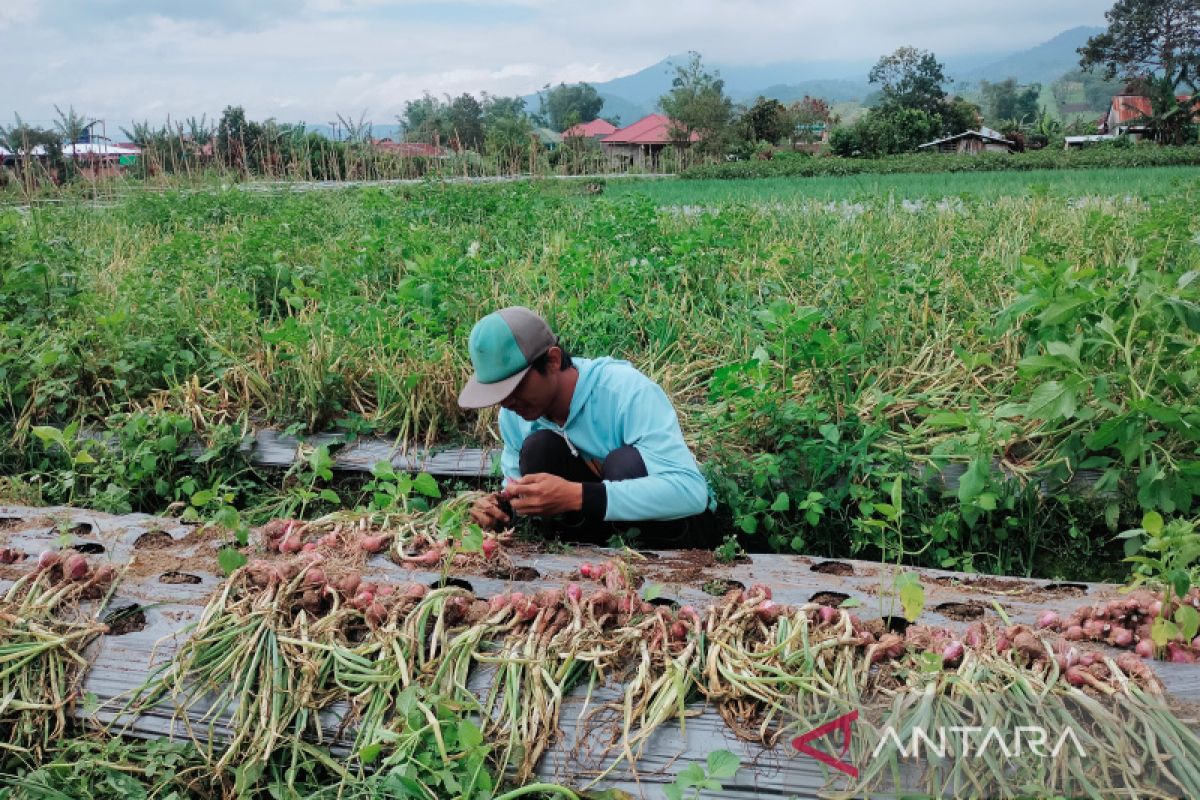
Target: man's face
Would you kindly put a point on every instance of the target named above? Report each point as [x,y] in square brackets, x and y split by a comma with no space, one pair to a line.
[535,393]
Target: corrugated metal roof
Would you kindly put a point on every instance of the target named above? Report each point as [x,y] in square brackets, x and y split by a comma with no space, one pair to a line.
[597,127]
[650,129]
[986,133]
[1128,107]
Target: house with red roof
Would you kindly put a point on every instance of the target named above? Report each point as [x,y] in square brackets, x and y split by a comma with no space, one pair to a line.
[641,144]
[595,130]
[1127,112]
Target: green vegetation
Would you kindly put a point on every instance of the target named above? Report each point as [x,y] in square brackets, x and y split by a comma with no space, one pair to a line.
[1080,185]
[1116,156]
[816,352]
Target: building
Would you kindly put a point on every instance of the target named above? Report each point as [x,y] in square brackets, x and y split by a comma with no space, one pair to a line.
[641,144]
[1125,116]
[1128,115]
[595,130]
[1084,141]
[548,137]
[984,140]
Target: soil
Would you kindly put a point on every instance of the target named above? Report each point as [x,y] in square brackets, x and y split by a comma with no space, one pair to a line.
[833,599]
[833,568]
[126,620]
[154,540]
[1063,589]
[987,584]
[174,577]
[680,567]
[962,612]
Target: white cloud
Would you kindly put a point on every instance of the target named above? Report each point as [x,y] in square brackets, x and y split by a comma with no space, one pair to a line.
[310,60]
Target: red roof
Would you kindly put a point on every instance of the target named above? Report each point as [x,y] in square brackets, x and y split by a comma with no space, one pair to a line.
[597,127]
[1128,107]
[651,129]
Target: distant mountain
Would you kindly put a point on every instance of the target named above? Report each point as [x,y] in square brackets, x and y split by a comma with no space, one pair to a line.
[633,96]
[1043,64]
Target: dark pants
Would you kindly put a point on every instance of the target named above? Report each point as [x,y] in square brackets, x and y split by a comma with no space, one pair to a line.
[546,451]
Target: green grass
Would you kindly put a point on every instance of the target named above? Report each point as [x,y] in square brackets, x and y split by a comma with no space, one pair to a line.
[822,357]
[1144,183]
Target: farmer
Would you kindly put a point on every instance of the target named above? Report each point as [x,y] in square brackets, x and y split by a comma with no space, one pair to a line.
[592,442]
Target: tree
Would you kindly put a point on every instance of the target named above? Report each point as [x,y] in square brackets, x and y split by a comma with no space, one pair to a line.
[765,121]
[910,78]
[696,104]
[885,131]
[564,106]
[1007,100]
[1148,37]
[958,115]
[497,109]
[425,120]
[809,119]
[237,138]
[465,117]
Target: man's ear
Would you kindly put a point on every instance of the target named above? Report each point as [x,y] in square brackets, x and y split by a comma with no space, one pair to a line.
[554,359]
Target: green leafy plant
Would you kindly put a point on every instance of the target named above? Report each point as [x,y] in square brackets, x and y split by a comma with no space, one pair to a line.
[721,765]
[1166,556]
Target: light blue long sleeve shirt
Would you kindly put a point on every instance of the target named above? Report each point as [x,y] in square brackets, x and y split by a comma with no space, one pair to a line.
[615,405]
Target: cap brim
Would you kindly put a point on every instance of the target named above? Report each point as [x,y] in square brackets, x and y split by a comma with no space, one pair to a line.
[482,395]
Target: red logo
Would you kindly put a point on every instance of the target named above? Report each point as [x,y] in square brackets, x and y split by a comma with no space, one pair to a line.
[843,724]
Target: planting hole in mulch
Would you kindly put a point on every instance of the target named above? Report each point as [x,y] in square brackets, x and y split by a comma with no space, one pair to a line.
[721,586]
[459,582]
[178,577]
[833,568]
[88,548]
[986,583]
[833,599]
[896,624]
[9,524]
[153,540]
[129,619]
[523,574]
[664,601]
[1069,589]
[963,612]
[82,529]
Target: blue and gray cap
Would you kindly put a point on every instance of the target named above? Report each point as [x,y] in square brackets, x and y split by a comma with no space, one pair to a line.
[503,345]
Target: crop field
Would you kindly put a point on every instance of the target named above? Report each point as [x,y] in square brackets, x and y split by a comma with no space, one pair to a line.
[1069,185]
[819,353]
[986,373]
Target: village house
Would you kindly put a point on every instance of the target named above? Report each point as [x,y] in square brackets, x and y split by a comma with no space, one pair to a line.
[641,144]
[1127,115]
[984,140]
[595,130]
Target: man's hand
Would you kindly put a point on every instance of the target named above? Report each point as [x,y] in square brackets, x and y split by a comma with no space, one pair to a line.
[542,495]
[487,514]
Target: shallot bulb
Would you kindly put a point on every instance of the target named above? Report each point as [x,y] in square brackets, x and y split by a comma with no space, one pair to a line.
[372,544]
[1049,619]
[75,568]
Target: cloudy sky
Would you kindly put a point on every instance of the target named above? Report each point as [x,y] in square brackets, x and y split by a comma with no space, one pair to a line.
[307,60]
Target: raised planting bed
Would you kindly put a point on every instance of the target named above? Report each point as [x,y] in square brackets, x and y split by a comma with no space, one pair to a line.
[165,576]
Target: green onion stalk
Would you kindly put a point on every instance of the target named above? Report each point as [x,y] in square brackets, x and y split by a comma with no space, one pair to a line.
[41,660]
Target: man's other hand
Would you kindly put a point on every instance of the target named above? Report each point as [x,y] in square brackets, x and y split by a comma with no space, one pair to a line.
[542,495]
[487,513]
